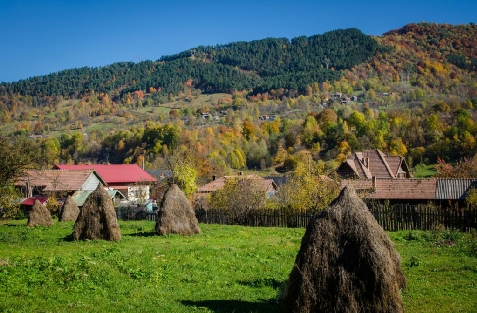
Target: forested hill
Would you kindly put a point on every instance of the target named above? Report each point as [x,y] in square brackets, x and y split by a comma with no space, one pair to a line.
[436,58]
[258,65]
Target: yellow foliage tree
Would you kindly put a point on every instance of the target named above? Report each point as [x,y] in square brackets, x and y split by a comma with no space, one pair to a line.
[305,190]
[239,196]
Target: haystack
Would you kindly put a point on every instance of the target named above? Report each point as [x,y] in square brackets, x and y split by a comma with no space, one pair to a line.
[69,210]
[39,215]
[97,218]
[175,214]
[346,263]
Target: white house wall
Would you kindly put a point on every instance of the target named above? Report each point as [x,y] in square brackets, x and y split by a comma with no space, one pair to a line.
[91,183]
[138,193]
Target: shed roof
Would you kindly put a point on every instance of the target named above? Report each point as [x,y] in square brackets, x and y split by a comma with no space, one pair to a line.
[454,188]
[114,173]
[80,196]
[31,201]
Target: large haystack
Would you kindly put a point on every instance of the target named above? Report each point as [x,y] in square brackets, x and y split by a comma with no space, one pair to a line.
[69,210]
[39,215]
[175,214]
[346,263]
[97,218]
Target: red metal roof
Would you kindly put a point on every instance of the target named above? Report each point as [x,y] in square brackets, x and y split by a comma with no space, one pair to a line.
[114,173]
[31,201]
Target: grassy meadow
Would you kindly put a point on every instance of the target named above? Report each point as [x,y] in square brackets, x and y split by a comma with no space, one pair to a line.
[224,269]
[424,171]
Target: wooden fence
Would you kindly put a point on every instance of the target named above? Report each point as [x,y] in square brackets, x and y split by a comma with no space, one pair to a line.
[390,217]
[423,217]
[260,218]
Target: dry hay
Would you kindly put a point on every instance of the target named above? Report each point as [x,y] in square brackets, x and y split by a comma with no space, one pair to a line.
[97,218]
[175,214]
[69,210]
[346,263]
[39,215]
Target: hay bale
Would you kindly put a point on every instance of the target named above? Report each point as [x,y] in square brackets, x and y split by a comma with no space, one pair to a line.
[175,214]
[97,218]
[346,263]
[39,215]
[69,210]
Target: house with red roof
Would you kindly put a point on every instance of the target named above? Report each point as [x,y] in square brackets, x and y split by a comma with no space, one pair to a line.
[129,179]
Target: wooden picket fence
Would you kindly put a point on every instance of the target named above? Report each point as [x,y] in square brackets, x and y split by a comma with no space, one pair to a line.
[390,217]
[423,217]
[259,218]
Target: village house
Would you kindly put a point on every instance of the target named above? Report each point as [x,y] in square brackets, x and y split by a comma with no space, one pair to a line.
[35,184]
[381,177]
[268,186]
[446,192]
[373,163]
[38,183]
[131,180]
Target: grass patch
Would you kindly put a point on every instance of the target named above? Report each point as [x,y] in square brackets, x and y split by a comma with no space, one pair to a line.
[424,171]
[100,126]
[225,269]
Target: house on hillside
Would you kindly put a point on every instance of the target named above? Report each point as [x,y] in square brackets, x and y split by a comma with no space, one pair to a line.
[268,186]
[59,183]
[373,163]
[131,180]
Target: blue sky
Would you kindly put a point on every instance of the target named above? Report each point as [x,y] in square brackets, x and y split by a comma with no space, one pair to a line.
[42,37]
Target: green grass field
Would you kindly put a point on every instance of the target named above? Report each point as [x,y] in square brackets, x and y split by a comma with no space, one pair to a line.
[424,171]
[224,269]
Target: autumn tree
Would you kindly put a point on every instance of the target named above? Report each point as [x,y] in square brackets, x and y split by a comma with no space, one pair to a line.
[239,197]
[184,171]
[16,155]
[465,168]
[306,190]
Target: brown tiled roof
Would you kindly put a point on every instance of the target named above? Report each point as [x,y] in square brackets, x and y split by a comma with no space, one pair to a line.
[357,163]
[394,163]
[56,180]
[372,163]
[219,183]
[357,184]
[411,188]
[378,165]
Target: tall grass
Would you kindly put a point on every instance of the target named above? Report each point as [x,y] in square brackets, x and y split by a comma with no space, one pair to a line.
[225,269]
